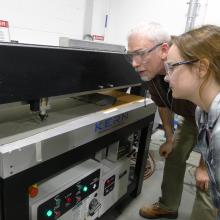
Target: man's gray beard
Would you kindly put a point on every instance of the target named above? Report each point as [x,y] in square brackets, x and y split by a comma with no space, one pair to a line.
[145,78]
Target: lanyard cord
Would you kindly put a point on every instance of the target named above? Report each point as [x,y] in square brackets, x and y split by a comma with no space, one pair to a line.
[171,103]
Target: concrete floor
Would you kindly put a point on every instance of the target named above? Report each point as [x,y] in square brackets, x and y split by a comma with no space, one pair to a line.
[151,190]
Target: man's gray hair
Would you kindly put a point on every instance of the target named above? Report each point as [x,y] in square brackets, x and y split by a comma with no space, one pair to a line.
[152,30]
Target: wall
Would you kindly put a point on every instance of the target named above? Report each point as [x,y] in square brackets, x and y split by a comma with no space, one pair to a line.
[96,11]
[127,13]
[212,13]
[44,21]
[99,15]
[172,14]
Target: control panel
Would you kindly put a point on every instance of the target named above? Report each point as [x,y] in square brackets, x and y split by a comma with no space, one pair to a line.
[63,193]
[109,185]
[69,198]
[114,182]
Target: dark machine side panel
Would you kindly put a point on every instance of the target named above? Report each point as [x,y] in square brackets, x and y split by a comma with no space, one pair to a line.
[30,72]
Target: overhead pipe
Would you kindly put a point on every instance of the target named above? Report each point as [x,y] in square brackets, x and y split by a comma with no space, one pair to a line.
[194,6]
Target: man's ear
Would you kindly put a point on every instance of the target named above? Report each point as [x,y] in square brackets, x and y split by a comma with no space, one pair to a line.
[164,51]
[203,67]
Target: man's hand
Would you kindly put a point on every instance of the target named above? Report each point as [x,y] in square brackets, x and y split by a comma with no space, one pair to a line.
[202,178]
[166,148]
[167,120]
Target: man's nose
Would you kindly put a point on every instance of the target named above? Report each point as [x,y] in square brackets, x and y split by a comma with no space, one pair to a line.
[135,63]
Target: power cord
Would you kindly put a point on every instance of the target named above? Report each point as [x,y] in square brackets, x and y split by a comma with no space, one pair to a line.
[150,164]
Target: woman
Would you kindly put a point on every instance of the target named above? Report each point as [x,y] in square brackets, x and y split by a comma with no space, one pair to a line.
[193,73]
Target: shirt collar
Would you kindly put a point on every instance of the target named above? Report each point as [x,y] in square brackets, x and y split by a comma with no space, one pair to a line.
[208,119]
[214,111]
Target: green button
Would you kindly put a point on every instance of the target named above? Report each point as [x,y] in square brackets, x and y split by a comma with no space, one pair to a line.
[85,189]
[49,213]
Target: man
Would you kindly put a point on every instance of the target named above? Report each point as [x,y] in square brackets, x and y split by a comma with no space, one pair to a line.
[148,45]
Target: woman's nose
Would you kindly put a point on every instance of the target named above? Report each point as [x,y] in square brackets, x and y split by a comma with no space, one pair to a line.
[167,78]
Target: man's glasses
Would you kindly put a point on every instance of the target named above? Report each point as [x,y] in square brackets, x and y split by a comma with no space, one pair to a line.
[169,67]
[140,54]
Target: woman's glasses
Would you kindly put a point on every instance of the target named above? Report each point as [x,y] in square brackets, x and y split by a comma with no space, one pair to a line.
[169,67]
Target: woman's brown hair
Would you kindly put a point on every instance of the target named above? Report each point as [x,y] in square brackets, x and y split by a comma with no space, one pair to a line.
[202,43]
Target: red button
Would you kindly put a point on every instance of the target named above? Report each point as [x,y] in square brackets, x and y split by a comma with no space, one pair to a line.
[69,200]
[57,213]
[78,199]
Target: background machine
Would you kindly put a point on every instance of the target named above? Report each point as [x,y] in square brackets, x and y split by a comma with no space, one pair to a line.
[66,131]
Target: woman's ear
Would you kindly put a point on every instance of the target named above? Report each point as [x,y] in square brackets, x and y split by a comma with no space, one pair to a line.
[203,67]
[164,51]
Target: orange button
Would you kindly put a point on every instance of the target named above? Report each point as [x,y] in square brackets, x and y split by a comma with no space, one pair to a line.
[33,190]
